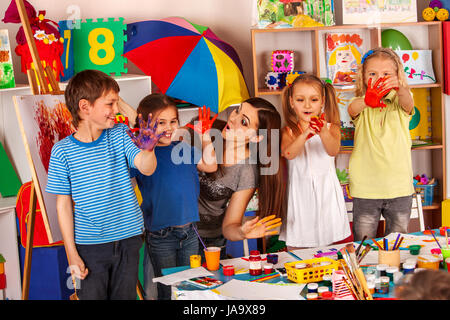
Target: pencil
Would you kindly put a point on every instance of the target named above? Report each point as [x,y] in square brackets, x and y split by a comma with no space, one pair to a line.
[266,278]
[378,245]
[396,240]
[399,243]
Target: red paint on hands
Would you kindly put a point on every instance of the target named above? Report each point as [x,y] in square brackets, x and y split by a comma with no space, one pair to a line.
[375,93]
[204,122]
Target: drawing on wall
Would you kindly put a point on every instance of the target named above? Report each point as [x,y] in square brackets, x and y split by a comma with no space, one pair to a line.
[6,65]
[43,121]
[378,11]
[418,66]
[343,54]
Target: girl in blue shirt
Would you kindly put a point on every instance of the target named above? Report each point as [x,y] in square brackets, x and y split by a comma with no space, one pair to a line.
[170,195]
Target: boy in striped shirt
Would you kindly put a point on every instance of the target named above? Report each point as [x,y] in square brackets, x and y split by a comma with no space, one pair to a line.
[90,168]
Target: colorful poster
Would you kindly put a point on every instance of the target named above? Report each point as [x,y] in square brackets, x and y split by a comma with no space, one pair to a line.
[378,11]
[420,123]
[43,120]
[347,127]
[418,66]
[294,13]
[6,66]
[343,54]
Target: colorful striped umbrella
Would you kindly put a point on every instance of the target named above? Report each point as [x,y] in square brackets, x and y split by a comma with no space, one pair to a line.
[187,61]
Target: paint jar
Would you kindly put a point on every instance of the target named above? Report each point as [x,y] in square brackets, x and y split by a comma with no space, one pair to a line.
[321,290]
[195,260]
[327,280]
[381,270]
[312,296]
[255,268]
[377,285]
[414,249]
[389,257]
[447,263]
[370,277]
[390,272]
[427,261]
[268,268]
[408,268]
[418,270]
[312,287]
[371,286]
[384,285]
[228,270]
[272,258]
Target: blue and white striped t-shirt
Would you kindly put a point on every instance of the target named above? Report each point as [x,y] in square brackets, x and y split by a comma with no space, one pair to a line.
[96,175]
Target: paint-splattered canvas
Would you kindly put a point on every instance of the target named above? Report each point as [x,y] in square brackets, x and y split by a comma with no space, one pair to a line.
[6,65]
[43,120]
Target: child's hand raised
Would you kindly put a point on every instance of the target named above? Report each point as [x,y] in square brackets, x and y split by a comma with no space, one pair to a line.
[375,93]
[257,228]
[204,122]
[147,137]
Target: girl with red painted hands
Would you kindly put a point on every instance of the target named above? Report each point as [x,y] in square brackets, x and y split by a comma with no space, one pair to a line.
[316,212]
[170,195]
[380,166]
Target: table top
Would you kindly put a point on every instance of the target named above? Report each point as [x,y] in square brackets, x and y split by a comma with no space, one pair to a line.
[283,279]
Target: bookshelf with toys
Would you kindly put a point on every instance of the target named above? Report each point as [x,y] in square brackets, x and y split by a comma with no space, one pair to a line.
[309,45]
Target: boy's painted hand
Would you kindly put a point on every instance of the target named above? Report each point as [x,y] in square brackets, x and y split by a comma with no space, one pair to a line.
[204,123]
[316,123]
[147,137]
[375,93]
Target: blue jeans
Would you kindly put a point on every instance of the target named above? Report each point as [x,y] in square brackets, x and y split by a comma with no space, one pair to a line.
[170,247]
[113,270]
[367,213]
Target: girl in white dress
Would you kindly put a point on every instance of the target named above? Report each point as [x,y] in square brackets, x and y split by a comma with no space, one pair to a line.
[316,212]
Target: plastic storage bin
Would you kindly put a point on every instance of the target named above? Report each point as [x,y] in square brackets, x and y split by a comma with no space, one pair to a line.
[426,192]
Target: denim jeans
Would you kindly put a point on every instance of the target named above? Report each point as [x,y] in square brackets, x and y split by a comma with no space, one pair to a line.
[170,247]
[113,270]
[367,213]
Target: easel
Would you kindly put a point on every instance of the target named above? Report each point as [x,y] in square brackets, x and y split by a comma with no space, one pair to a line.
[47,85]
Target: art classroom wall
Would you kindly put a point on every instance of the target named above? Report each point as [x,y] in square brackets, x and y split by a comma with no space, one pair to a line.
[230,20]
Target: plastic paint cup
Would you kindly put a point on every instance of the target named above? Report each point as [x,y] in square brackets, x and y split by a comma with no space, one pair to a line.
[445,255]
[414,249]
[196,260]
[268,268]
[447,264]
[228,270]
[312,287]
[408,268]
[381,270]
[312,296]
[428,262]
[212,255]
[390,273]
[321,290]
[389,257]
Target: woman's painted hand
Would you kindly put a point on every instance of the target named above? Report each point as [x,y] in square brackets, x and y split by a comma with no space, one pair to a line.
[258,228]
[204,122]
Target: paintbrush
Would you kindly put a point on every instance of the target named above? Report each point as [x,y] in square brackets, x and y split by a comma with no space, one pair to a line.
[353,287]
[360,245]
[365,252]
[432,233]
[352,270]
[358,272]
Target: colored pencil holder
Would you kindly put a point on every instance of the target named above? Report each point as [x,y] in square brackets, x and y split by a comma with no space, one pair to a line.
[389,257]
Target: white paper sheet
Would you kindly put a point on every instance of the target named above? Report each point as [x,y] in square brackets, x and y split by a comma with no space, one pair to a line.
[176,277]
[247,290]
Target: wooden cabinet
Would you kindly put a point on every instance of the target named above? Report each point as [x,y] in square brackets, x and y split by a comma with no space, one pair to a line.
[310,56]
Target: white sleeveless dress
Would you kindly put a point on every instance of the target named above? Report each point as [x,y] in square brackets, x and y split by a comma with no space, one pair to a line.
[316,212]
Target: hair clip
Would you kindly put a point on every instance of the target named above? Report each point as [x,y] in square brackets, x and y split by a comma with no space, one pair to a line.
[368,53]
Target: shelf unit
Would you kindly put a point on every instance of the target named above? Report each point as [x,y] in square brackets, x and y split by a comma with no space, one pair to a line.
[308,45]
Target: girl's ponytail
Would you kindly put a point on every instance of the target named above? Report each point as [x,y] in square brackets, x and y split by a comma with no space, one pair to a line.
[331,104]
